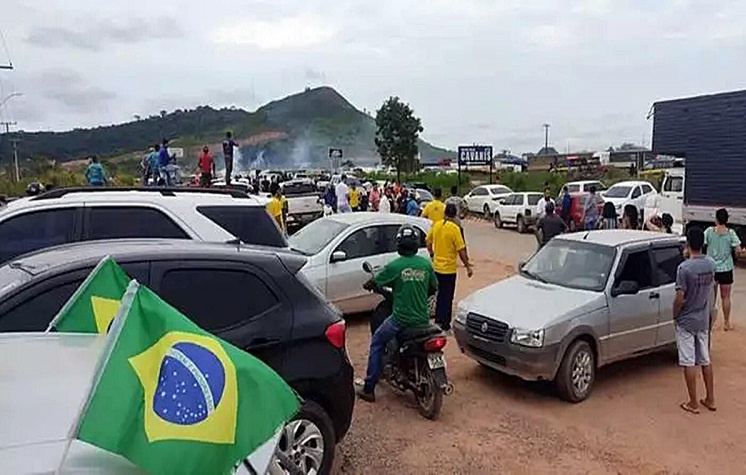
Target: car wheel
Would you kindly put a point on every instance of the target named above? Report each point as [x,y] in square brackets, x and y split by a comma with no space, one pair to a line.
[577,373]
[498,220]
[486,211]
[308,441]
[521,225]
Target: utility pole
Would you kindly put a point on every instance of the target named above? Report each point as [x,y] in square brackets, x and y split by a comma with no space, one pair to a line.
[14,142]
[546,137]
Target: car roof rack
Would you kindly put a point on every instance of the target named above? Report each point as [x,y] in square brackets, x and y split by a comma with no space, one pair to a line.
[164,191]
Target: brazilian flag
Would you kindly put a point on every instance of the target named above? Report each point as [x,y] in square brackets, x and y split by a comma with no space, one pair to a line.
[174,399]
[93,305]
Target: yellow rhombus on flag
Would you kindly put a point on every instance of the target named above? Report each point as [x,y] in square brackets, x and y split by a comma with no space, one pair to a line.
[93,305]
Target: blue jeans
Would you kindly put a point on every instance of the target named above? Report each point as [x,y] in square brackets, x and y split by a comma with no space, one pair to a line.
[385,333]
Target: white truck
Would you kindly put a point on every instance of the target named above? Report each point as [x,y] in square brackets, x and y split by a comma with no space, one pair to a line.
[304,202]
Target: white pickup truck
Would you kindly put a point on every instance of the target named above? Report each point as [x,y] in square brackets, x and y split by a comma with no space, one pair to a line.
[304,202]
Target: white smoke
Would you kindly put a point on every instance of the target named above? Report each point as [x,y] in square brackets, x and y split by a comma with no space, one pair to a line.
[239,165]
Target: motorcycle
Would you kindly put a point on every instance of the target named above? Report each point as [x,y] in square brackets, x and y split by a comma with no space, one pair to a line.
[414,360]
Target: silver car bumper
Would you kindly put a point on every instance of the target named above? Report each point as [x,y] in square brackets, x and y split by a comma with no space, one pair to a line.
[531,364]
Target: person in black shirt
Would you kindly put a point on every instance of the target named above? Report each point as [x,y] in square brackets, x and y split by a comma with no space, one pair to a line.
[549,226]
[228,145]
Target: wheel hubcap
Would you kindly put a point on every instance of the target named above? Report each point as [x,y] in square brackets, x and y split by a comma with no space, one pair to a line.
[302,442]
[582,372]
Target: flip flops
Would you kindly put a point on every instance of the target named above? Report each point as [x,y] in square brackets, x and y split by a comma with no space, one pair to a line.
[708,406]
[689,409]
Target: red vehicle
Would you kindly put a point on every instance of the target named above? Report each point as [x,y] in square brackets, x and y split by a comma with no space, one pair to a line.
[576,210]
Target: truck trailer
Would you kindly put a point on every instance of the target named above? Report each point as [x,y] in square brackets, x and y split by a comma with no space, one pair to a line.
[709,132]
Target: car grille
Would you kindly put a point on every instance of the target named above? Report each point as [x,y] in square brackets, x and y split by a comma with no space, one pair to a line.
[486,328]
[486,355]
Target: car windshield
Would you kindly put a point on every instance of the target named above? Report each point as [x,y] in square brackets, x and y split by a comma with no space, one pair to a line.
[500,190]
[314,237]
[573,264]
[621,191]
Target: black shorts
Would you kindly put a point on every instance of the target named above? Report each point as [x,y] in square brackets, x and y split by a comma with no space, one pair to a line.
[205,179]
[724,278]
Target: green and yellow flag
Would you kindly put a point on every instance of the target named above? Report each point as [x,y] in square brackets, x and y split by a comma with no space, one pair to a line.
[93,305]
[174,399]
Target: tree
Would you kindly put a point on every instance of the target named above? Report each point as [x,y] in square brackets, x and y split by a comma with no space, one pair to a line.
[397,135]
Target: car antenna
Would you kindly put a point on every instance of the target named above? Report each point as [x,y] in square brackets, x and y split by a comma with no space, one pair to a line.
[585,236]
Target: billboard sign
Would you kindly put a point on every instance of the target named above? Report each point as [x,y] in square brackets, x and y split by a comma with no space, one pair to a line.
[335,153]
[475,154]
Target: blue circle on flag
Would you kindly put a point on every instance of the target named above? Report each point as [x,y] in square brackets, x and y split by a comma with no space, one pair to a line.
[190,384]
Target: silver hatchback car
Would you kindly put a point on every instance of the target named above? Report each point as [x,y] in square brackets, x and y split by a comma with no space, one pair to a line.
[583,301]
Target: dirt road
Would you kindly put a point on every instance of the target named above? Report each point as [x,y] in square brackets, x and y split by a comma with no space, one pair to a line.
[494,423]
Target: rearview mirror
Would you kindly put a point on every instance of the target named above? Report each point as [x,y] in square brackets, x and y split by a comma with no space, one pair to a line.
[367,267]
[339,256]
[625,287]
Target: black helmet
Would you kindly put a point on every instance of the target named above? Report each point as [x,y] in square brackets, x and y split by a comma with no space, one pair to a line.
[407,240]
[34,188]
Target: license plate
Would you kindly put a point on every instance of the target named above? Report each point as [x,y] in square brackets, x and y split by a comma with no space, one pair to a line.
[436,360]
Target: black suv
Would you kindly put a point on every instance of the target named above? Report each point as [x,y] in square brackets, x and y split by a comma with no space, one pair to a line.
[253,297]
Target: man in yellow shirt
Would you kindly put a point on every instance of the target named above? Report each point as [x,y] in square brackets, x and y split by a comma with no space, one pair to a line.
[446,245]
[275,207]
[435,210]
[354,198]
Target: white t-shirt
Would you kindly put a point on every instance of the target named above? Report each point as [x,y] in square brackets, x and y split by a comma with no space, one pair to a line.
[341,191]
[541,207]
[383,205]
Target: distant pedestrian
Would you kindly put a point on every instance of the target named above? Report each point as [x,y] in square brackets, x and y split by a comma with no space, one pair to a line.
[354,197]
[343,196]
[95,174]
[229,146]
[549,226]
[541,206]
[375,198]
[330,198]
[274,207]
[145,171]
[206,166]
[412,208]
[723,246]
[446,245]
[384,204]
[630,217]
[660,224]
[460,204]
[692,309]
[609,219]
[435,210]
[590,209]
[154,159]
[163,160]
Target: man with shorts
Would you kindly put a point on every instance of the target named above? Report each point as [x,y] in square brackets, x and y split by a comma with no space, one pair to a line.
[692,310]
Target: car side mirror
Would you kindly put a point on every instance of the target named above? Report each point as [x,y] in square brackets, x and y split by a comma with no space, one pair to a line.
[339,256]
[367,267]
[625,287]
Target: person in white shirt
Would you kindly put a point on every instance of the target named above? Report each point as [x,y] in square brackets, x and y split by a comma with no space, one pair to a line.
[343,196]
[384,205]
[541,206]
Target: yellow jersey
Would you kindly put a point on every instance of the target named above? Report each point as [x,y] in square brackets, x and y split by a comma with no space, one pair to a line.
[354,198]
[274,208]
[446,240]
[435,211]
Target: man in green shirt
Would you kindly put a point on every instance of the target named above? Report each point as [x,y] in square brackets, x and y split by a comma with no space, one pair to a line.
[412,280]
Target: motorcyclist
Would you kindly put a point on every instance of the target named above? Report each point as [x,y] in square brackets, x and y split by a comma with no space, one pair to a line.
[412,280]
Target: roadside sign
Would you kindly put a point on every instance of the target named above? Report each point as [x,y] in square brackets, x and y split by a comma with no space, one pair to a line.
[335,153]
[475,154]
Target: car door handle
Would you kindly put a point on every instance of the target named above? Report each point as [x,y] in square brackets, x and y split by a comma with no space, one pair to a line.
[654,295]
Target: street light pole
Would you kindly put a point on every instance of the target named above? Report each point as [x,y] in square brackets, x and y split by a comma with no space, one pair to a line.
[7,125]
[546,137]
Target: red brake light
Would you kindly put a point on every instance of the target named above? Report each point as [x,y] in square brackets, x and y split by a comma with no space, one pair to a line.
[335,333]
[436,344]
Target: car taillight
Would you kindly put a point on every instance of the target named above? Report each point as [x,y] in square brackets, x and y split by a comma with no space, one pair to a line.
[436,344]
[335,333]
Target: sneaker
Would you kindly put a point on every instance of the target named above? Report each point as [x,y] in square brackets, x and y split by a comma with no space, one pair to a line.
[365,395]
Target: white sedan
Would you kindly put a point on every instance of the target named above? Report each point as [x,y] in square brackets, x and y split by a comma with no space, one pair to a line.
[485,198]
[338,245]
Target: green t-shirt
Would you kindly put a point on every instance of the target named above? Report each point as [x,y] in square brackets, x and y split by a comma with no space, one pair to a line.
[720,247]
[410,277]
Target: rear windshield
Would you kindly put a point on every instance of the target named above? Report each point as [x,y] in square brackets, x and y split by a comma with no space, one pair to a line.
[250,224]
[295,189]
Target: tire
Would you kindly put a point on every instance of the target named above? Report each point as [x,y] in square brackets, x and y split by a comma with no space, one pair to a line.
[577,373]
[429,404]
[486,211]
[498,220]
[308,440]
[521,225]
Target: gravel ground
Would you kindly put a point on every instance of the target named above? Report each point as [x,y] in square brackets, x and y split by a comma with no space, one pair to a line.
[494,423]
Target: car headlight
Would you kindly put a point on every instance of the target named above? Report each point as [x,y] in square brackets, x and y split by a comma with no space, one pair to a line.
[530,338]
[461,313]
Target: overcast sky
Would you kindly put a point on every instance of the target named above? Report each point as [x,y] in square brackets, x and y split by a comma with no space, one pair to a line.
[489,71]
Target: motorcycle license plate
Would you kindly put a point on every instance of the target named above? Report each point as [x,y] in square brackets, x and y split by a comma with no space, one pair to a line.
[436,361]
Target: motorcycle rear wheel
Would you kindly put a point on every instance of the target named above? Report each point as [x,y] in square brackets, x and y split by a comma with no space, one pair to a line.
[429,396]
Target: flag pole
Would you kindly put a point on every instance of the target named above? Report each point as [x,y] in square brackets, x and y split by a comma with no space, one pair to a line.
[111,339]
[81,288]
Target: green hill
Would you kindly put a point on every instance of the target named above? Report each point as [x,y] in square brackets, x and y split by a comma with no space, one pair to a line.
[296,131]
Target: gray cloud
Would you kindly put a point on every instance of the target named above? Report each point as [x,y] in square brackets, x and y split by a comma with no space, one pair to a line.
[97,35]
[70,92]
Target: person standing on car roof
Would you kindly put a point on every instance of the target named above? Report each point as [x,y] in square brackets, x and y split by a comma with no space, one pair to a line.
[163,160]
[206,166]
[154,159]
[228,146]
[412,280]
[95,174]
[435,210]
[275,206]
[723,245]
[445,243]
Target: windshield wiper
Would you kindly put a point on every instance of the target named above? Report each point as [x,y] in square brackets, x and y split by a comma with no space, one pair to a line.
[533,276]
